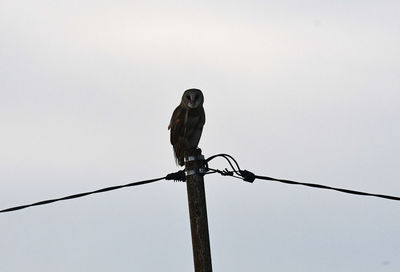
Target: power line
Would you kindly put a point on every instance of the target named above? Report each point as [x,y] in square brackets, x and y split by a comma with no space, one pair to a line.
[250,177]
[177,176]
[347,191]
[236,172]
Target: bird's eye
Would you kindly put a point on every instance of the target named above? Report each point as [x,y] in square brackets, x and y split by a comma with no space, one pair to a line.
[188,97]
[196,96]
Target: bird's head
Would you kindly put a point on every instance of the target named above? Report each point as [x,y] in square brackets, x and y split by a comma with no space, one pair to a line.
[192,98]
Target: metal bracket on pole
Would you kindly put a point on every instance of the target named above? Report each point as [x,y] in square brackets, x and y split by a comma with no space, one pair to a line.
[195,158]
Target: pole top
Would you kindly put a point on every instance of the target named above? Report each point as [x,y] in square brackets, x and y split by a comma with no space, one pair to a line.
[194,162]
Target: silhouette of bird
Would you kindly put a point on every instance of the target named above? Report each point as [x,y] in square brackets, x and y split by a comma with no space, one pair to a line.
[187,123]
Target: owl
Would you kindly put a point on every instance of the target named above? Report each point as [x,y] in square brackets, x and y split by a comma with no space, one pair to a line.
[187,123]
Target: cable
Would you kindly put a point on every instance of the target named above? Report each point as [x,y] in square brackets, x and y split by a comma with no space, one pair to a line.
[250,177]
[328,188]
[180,176]
[228,159]
[223,173]
[173,176]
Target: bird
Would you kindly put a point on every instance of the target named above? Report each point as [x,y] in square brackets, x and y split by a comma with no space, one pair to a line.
[187,123]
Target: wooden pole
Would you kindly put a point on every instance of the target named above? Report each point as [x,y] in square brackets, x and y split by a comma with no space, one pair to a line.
[198,211]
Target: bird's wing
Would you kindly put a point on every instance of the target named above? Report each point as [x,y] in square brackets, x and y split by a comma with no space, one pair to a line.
[202,117]
[176,124]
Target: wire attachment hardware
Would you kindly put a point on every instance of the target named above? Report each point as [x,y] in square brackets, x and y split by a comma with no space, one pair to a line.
[195,162]
[247,176]
[194,158]
[177,176]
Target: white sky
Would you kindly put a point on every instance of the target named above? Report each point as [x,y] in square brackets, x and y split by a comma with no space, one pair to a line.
[304,90]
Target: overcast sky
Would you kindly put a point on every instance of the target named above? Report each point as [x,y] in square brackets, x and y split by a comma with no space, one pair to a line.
[304,90]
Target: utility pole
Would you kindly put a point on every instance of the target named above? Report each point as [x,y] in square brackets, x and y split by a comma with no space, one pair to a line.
[194,168]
